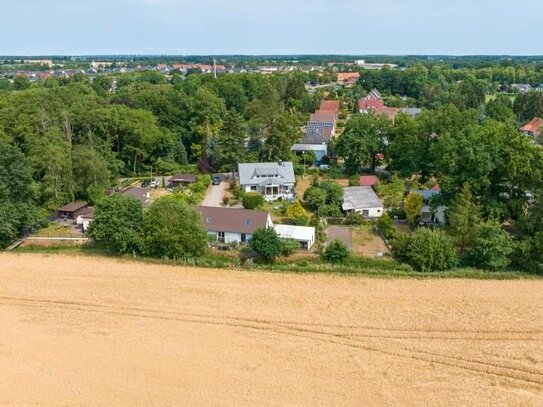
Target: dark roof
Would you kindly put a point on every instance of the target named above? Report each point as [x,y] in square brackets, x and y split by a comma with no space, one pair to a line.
[73,206]
[232,219]
[183,178]
[139,193]
[317,136]
[87,212]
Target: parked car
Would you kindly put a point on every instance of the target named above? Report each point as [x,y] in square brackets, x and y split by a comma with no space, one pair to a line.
[154,184]
[216,179]
[145,183]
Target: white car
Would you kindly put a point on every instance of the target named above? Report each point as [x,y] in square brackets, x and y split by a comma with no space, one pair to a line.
[154,184]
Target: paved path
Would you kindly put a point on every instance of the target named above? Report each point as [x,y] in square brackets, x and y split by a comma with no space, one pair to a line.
[214,195]
[342,233]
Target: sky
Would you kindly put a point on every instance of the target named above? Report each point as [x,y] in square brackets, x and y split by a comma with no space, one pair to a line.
[221,27]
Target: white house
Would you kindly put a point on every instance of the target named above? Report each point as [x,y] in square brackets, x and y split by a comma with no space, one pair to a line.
[362,200]
[302,234]
[272,180]
[85,217]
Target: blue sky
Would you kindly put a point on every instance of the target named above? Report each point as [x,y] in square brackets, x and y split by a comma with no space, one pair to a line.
[83,27]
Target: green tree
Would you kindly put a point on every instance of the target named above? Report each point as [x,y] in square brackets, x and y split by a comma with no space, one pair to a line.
[492,248]
[17,194]
[315,197]
[173,229]
[91,172]
[364,137]
[412,206]
[266,243]
[117,224]
[289,246]
[392,192]
[464,219]
[336,252]
[431,250]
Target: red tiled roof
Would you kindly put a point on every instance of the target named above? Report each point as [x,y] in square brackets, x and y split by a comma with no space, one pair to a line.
[366,104]
[329,106]
[345,76]
[368,180]
[533,126]
[436,187]
[387,111]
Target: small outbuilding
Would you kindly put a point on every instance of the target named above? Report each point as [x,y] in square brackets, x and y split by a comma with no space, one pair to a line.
[72,210]
[182,180]
[304,235]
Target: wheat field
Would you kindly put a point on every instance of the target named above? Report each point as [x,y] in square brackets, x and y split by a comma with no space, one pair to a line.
[93,331]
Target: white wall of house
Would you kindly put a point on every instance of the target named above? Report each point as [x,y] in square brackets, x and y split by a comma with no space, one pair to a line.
[229,237]
[376,212]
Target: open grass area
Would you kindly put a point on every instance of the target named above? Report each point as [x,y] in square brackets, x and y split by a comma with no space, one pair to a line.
[367,242]
[55,230]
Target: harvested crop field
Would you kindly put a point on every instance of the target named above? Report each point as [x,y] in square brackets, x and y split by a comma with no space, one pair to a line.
[78,330]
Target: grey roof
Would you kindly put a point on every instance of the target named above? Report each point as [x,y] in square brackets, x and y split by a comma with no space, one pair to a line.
[360,198]
[255,173]
[317,136]
[140,193]
[412,111]
[425,193]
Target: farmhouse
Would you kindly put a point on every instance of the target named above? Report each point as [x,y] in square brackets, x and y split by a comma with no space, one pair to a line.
[229,225]
[273,180]
[362,200]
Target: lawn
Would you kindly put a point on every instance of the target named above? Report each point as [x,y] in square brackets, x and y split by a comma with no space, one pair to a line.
[367,242]
[54,230]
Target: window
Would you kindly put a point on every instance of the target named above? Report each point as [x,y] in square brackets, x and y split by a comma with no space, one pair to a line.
[253,188]
[221,237]
[208,220]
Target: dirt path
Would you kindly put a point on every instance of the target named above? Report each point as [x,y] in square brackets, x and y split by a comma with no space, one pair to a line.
[92,331]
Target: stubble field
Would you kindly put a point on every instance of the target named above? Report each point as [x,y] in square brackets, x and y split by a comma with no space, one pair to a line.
[78,330]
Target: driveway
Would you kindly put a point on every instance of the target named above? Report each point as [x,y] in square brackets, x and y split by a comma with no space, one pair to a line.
[214,194]
[342,233]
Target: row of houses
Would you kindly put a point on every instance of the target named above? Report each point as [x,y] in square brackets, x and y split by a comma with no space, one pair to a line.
[320,130]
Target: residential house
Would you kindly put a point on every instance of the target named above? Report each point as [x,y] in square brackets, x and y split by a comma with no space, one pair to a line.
[315,140]
[85,217]
[182,180]
[347,78]
[304,235]
[329,106]
[72,210]
[521,87]
[141,194]
[366,65]
[273,180]
[378,107]
[533,127]
[362,200]
[374,94]
[231,225]
[322,121]
[368,180]
[430,213]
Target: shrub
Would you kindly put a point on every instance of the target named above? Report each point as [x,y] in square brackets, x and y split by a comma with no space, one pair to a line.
[354,181]
[297,214]
[431,250]
[412,207]
[288,246]
[492,248]
[252,200]
[354,219]
[336,252]
[266,243]
[315,197]
[384,223]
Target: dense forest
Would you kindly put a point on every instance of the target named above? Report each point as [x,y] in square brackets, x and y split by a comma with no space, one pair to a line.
[72,138]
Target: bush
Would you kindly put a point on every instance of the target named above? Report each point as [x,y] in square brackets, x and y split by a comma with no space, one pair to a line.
[266,243]
[354,181]
[288,246]
[354,219]
[431,250]
[493,247]
[315,197]
[384,223]
[297,214]
[336,252]
[252,200]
